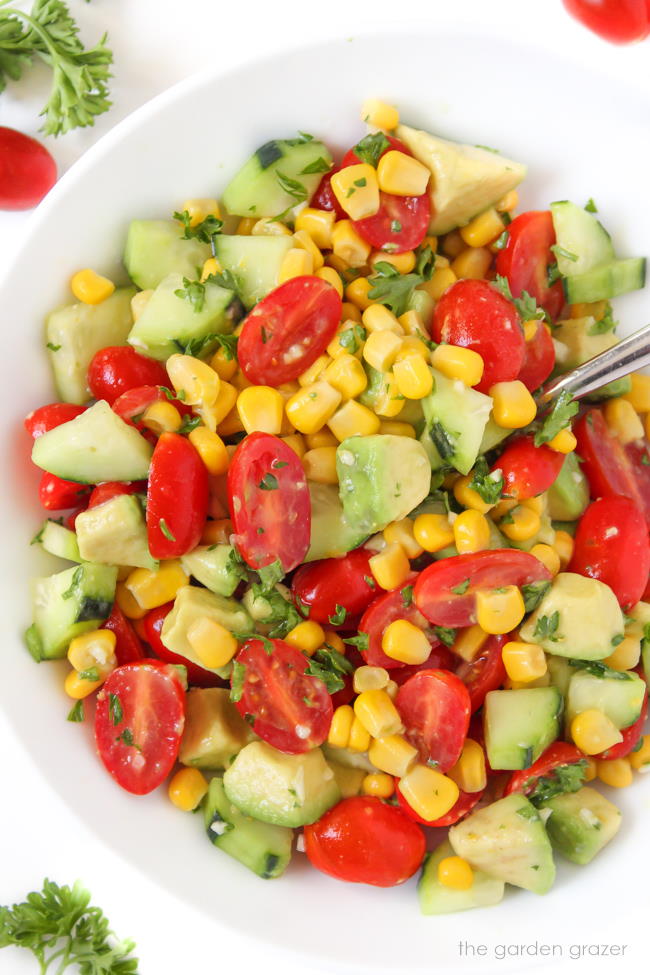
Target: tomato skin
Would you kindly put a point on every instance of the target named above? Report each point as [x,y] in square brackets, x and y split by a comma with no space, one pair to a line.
[177,497]
[128,646]
[281,698]
[118,368]
[131,405]
[152,624]
[324,199]
[55,494]
[463,805]
[616,21]
[489,569]
[303,314]
[528,470]
[556,755]
[71,520]
[631,736]
[539,359]
[525,259]
[474,315]
[153,714]
[27,170]
[328,583]
[440,658]
[485,673]
[364,841]
[435,708]
[48,417]
[113,489]
[383,611]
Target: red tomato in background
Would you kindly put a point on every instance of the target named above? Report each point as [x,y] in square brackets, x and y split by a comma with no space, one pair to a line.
[434,594]
[55,494]
[440,658]
[557,756]
[611,544]
[435,708]
[292,711]
[269,502]
[476,316]
[287,330]
[139,723]
[128,646]
[152,624]
[27,170]
[463,805]
[528,470]
[324,585]
[324,199]
[364,841]
[539,358]
[631,736]
[48,417]
[177,497]
[525,259]
[384,610]
[113,489]
[485,673]
[71,519]
[118,368]
[617,21]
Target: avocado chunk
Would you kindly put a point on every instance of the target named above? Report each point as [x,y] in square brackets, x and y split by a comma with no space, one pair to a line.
[507,840]
[215,567]
[381,479]
[638,626]
[115,533]
[466,179]
[67,604]
[578,617]
[214,730]
[581,824]
[349,780]
[577,340]
[520,724]
[156,248]
[347,757]
[618,694]
[455,419]
[285,790]
[568,496]
[332,535]
[436,898]
[192,603]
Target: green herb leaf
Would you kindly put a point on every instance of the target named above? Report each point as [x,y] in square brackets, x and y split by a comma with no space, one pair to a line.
[552,273]
[77,576]
[546,627]
[126,737]
[352,338]
[489,486]
[115,709]
[526,812]
[371,147]
[461,588]
[52,347]
[445,634]
[563,252]
[407,595]
[390,288]
[91,674]
[282,615]
[564,778]
[229,345]
[598,669]
[360,641]
[330,666]
[533,593]
[268,483]
[237,678]
[204,231]
[501,240]
[194,292]
[338,618]
[189,423]
[525,304]
[224,279]
[564,409]
[166,531]
[76,713]
[590,206]
[604,324]
[292,187]
[443,440]
[270,574]
[319,165]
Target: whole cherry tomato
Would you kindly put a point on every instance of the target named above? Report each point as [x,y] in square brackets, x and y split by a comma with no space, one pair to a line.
[118,368]
[48,417]
[128,646]
[336,589]
[486,672]
[56,494]
[435,708]
[27,170]
[113,489]
[152,624]
[539,359]
[549,766]
[177,497]
[631,736]
[528,470]
[525,259]
[463,805]
[617,21]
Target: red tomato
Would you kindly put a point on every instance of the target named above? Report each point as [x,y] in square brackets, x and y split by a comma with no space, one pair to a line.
[328,584]
[27,170]
[138,724]
[617,21]
[435,707]
[528,470]
[177,497]
[324,199]
[112,489]
[152,624]
[128,646]
[434,595]
[611,544]
[71,520]
[440,658]
[539,359]
[131,405]
[557,756]
[463,805]
[48,417]
[384,610]
[55,494]
[291,710]
[476,316]
[486,672]
[525,259]
[269,502]
[365,841]
[287,330]
[118,368]
[631,736]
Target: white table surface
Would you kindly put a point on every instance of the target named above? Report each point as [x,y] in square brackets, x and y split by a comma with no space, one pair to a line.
[157,43]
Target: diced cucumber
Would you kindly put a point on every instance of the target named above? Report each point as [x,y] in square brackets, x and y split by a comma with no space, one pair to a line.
[215,567]
[568,496]
[60,541]
[192,603]
[254,261]
[618,694]
[280,174]
[580,234]
[493,435]
[169,323]
[606,280]
[214,730]
[544,536]
[156,248]
[264,849]
[332,534]
[75,333]
[561,672]
[581,823]
[520,724]
[456,417]
[96,446]
[115,533]
[423,304]
[70,603]
[437,898]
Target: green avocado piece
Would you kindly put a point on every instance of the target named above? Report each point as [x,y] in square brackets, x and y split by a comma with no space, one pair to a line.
[115,533]
[192,603]
[577,340]
[436,898]
[214,730]
[332,535]
[581,823]
[568,496]
[456,418]
[215,567]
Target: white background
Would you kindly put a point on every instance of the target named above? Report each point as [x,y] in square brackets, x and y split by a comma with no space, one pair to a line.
[157,43]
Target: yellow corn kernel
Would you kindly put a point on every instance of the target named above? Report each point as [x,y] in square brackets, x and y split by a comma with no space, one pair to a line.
[392,689]
[524,662]
[547,556]
[153,588]
[213,644]
[348,339]
[615,772]
[563,442]
[312,407]
[452,244]
[199,209]
[295,263]
[390,567]
[224,367]
[639,395]
[128,603]
[78,687]
[356,293]
[499,610]
[456,873]
[433,532]
[370,679]
[245,226]
[484,229]
[389,401]
[622,420]
[441,279]
[469,772]
[403,263]
[563,544]
[313,372]
[381,348]
[520,524]
[195,381]
[378,784]
[187,788]
[538,503]
[378,318]
[357,191]
[349,312]
[307,636]
[359,740]
[593,732]
[591,770]
[353,419]
[347,375]
[94,650]
[341,726]
[507,202]
[469,641]
[323,438]
[412,345]
[336,263]
[211,266]
[468,497]
[332,277]
[530,329]
[474,262]
[297,443]
[162,417]
[334,641]
[405,642]
[397,429]
[91,288]
[266,227]
[402,175]
[626,655]
[512,405]
[640,759]
[320,465]
[304,241]
[471,532]
[261,408]
[379,114]
[401,532]
[217,532]
[428,792]
[413,377]
[377,713]
[318,224]
[392,754]
[211,449]
[349,246]
[593,309]
[413,323]
[456,362]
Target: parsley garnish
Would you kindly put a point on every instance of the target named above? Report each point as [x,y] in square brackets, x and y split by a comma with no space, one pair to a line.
[166,531]
[204,231]
[564,778]
[533,593]
[391,288]
[487,148]
[229,345]
[194,292]
[270,574]
[604,324]
[489,486]
[300,139]
[445,634]
[352,338]
[360,641]
[370,149]
[546,627]
[501,240]
[237,678]
[330,666]
[224,279]
[369,581]
[77,576]
[278,464]
[407,595]
[189,423]
[395,227]
[292,187]
[77,712]
[282,616]
[461,588]
[196,347]
[268,483]
[553,273]
[38,537]
[339,616]
[598,669]
[563,252]
[52,347]
[115,709]
[560,416]
[91,674]
[319,165]
[126,737]
[443,440]
[590,206]
[525,303]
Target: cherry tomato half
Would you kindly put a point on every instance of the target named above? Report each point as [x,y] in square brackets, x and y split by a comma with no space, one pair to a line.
[539,358]
[55,494]
[118,368]
[27,170]
[617,21]
[177,497]
[486,672]
[128,646]
[365,841]
[269,502]
[557,756]
[152,624]
[435,708]
[463,805]
[138,724]
[384,610]
[131,405]
[291,710]
[631,736]
[525,259]
[329,584]
[287,330]
[434,590]
[476,316]
[528,470]
[48,417]
[324,199]
[113,489]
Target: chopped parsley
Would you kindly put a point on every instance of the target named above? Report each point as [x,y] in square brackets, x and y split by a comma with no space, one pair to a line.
[52,347]
[390,288]
[445,634]
[604,324]
[77,712]
[126,738]
[189,423]
[501,240]
[77,576]
[339,616]
[407,595]
[371,147]
[525,303]
[564,778]
[292,187]
[268,483]
[319,165]
[558,419]
[360,641]
[90,673]
[590,206]
[489,486]
[352,338]
[546,627]
[237,678]
[115,709]
[204,231]
[229,345]
[330,666]
[443,440]
[533,593]
[563,252]
[271,573]
[598,669]
[461,588]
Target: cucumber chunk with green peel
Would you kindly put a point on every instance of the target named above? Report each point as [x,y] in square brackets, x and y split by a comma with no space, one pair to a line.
[605,281]
[96,446]
[493,435]
[332,534]
[278,176]
[156,248]
[193,603]
[581,823]
[264,849]
[60,541]
[75,333]
[508,841]
[520,724]
[215,567]
[214,730]
[115,533]
[582,241]
[70,603]
[618,694]
[456,417]
[568,496]
[437,898]
[255,262]
[285,790]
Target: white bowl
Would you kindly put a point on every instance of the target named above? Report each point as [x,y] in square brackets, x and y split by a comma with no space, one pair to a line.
[582,135]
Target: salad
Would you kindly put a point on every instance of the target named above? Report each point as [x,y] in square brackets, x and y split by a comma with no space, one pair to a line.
[333,577]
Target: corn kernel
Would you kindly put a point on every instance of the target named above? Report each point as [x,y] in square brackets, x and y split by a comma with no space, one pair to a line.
[322,438]
[413,323]
[396,428]
[615,772]
[381,348]
[94,650]
[304,241]
[538,503]
[312,407]
[389,401]
[392,754]
[377,713]
[217,532]
[413,377]
[441,279]
[313,373]
[512,405]
[370,679]
[353,419]
[341,726]
[378,318]
[640,759]
[520,524]
[403,263]
[392,689]
[211,266]
[193,380]
[318,224]
[456,362]
[154,588]
[412,345]
[524,662]
[349,245]
[349,312]
[128,603]
[469,641]
[471,532]
[484,229]
[401,532]
[378,784]
[266,227]
[622,420]
[245,226]
[359,740]
[627,654]
[320,465]
[474,262]
[332,277]
[452,244]
[547,556]
[508,202]
[356,293]
[639,395]
[307,636]
[468,497]
[261,408]
[348,340]
[187,788]
[199,209]
[379,114]
[405,642]
[530,329]
[469,773]
[295,263]
[356,190]
[593,732]
[433,532]
[390,567]
[297,443]
[347,375]
[213,644]
[162,417]
[563,544]
[499,610]
[211,449]
[563,442]
[591,769]
[402,175]
[428,792]
[334,641]
[78,687]
[456,873]
[91,288]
